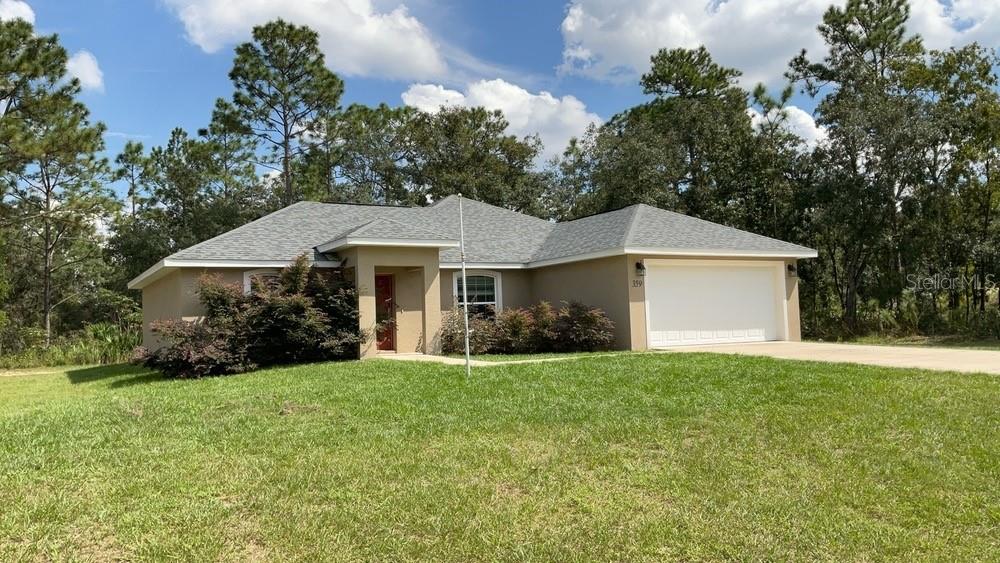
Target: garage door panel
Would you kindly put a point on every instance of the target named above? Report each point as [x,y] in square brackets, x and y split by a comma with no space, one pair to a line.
[706,304]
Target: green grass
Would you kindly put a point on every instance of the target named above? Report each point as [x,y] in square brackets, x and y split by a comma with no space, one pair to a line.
[933,341]
[540,356]
[630,457]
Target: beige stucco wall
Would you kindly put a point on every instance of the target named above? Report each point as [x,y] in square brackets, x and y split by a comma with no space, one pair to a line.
[792,301]
[423,292]
[422,263]
[161,300]
[175,296]
[601,283]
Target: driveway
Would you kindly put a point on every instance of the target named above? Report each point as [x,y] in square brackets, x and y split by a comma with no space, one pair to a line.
[942,359]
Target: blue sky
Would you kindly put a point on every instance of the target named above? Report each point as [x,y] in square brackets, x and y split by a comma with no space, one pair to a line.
[553,66]
[155,78]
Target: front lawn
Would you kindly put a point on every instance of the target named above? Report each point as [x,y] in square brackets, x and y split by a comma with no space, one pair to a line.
[628,457]
[538,356]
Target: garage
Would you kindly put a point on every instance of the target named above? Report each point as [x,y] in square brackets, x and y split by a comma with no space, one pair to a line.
[691,302]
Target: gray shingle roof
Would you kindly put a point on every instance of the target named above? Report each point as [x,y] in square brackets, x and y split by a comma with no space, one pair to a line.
[385,228]
[493,234]
[658,228]
[589,234]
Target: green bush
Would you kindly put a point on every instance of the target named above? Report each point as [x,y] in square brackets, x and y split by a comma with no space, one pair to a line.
[98,343]
[574,328]
[308,315]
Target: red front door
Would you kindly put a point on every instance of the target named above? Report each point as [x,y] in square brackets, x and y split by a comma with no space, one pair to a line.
[385,312]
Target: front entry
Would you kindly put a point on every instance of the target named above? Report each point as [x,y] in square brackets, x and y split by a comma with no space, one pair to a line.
[385,312]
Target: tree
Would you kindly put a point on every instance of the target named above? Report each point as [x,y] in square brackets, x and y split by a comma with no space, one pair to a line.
[58,196]
[282,90]
[686,148]
[130,168]
[32,69]
[197,188]
[468,151]
[877,131]
[363,155]
[228,145]
[568,180]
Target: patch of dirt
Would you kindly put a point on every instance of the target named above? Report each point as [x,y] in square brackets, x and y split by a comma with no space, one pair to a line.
[30,371]
[94,544]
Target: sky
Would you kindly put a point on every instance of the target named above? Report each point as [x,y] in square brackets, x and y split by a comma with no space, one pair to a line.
[552,66]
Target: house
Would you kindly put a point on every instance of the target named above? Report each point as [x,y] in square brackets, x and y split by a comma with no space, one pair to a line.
[664,278]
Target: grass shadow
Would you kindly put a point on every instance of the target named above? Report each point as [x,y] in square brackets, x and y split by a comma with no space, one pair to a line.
[120,375]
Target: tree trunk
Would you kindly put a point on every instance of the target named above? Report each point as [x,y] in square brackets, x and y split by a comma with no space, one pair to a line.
[47,273]
[850,305]
[286,168]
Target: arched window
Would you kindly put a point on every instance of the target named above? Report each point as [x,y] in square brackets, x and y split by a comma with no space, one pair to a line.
[484,291]
[266,275]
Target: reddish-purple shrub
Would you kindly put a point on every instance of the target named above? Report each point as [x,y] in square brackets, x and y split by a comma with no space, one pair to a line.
[515,328]
[304,315]
[583,328]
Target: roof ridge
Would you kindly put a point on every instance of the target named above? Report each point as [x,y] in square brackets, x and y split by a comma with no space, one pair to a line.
[632,222]
[410,226]
[599,213]
[490,205]
[360,204]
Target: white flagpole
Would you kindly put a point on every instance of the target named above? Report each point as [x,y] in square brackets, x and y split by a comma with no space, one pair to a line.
[465,293]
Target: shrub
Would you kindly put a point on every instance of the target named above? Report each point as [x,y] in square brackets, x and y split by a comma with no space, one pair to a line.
[482,333]
[98,343]
[574,328]
[306,315]
[197,349]
[583,328]
[514,331]
[543,329]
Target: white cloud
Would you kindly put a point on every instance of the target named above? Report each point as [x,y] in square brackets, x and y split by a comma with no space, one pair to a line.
[554,119]
[13,9]
[430,97]
[356,37]
[797,121]
[613,39]
[83,66]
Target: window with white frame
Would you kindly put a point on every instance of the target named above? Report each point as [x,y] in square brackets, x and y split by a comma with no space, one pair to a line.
[266,276]
[484,291]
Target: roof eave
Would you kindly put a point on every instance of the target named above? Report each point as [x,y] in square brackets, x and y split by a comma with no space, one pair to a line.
[621,251]
[168,265]
[153,273]
[802,253]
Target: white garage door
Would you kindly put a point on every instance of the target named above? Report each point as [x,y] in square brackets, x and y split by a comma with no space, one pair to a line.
[690,302]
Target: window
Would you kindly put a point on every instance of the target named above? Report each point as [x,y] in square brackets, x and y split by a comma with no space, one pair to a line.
[267,276]
[483,288]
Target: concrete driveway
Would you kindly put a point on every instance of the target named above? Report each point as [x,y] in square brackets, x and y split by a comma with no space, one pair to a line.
[942,359]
